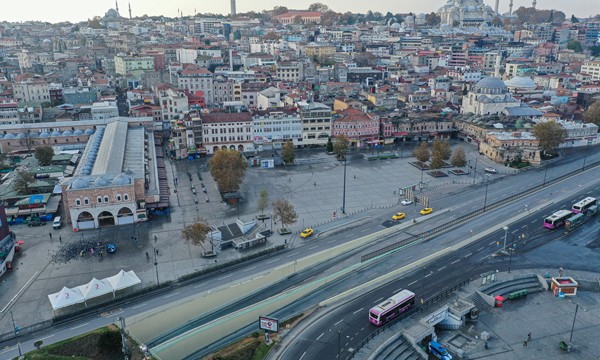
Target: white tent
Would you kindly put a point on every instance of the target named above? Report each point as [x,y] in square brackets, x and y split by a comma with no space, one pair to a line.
[95,288]
[65,297]
[123,279]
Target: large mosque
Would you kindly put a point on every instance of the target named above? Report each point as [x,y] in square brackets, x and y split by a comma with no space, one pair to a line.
[466,13]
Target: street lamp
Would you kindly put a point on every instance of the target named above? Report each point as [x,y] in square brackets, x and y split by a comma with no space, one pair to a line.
[156,266]
[19,343]
[505,234]
[545,173]
[344,196]
[487,183]
[573,327]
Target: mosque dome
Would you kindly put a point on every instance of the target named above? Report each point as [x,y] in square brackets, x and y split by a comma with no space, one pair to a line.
[102,181]
[78,132]
[122,179]
[89,131]
[490,85]
[9,136]
[521,82]
[80,183]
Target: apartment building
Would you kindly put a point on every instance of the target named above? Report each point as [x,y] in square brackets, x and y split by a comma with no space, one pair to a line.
[173,104]
[272,128]
[316,123]
[135,65]
[290,71]
[360,128]
[592,68]
[32,90]
[221,130]
[193,78]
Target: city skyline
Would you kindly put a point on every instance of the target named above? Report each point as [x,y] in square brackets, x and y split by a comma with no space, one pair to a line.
[55,11]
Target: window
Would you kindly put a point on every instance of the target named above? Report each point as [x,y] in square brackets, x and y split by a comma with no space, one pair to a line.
[99,199]
[106,199]
[86,201]
[77,202]
[126,197]
[118,197]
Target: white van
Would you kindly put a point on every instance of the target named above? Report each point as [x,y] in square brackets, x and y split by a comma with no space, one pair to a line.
[57,223]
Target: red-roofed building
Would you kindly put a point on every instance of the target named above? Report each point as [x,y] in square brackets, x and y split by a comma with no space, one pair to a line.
[221,130]
[360,128]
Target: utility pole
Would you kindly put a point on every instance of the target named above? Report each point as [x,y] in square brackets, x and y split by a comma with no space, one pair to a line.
[15,330]
[123,338]
[344,196]
[573,327]
[505,228]
[156,266]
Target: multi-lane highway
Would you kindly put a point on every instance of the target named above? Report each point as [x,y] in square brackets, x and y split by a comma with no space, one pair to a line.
[458,204]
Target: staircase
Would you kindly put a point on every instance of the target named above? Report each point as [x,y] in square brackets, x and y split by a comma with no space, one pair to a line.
[531,283]
[399,349]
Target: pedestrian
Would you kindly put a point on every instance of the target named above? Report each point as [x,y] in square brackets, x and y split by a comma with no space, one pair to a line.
[59,238]
[147,256]
[486,345]
[525,343]
[529,336]
[50,234]
[315,183]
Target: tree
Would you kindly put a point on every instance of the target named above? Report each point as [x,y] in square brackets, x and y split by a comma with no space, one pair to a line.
[575,46]
[594,50]
[574,19]
[341,146]
[263,201]
[278,10]
[288,154]
[329,145]
[228,167]
[22,182]
[196,233]
[237,35]
[272,36]
[95,23]
[318,7]
[284,211]
[592,114]
[38,344]
[436,161]
[550,135]
[422,152]
[298,20]
[443,148]
[109,340]
[432,19]
[459,158]
[44,155]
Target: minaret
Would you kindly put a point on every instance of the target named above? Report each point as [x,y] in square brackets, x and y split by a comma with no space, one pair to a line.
[510,5]
[233,12]
[130,11]
[534,3]
[117,7]
[496,7]
[498,64]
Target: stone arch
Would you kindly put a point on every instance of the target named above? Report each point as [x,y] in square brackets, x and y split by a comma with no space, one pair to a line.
[215,149]
[85,216]
[124,211]
[231,147]
[241,148]
[224,147]
[106,218]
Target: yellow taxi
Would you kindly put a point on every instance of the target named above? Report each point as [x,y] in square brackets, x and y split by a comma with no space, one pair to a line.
[307,232]
[426,211]
[398,216]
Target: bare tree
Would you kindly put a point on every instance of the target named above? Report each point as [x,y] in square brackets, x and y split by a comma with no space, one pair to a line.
[459,158]
[340,148]
[592,114]
[284,211]
[550,135]
[263,201]
[196,233]
[422,152]
[22,182]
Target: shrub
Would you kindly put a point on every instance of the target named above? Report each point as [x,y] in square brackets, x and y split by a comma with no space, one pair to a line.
[109,340]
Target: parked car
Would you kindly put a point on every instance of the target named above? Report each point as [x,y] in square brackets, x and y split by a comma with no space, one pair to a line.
[490,170]
[426,211]
[111,248]
[398,216]
[35,223]
[307,232]
[406,202]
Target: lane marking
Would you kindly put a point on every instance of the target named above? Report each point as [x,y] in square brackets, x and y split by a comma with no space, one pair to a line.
[139,306]
[533,222]
[336,324]
[78,326]
[414,282]
[290,255]
[364,230]
[455,261]
[359,310]
[347,236]
[442,268]
[491,243]
[395,291]
[320,336]
[8,349]
[258,277]
[170,295]
[481,248]
[332,241]
[469,254]
[232,286]
[378,300]
[49,336]
[199,285]
[314,247]
[225,277]
[428,274]
[252,268]
[272,261]
[302,355]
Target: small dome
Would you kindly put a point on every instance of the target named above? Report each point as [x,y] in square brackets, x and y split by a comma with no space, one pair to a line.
[20,135]
[34,135]
[80,183]
[44,134]
[1,136]
[67,133]
[55,134]
[490,83]
[78,132]
[521,82]
[122,179]
[102,181]
[9,136]
[89,131]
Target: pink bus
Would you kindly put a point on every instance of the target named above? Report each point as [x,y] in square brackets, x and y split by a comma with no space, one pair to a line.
[557,219]
[392,307]
[583,205]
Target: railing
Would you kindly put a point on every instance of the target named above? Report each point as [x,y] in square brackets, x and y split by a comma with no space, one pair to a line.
[417,309]
[464,218]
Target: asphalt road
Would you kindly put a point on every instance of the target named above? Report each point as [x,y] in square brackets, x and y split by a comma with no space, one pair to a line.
[459,203]
[320,340]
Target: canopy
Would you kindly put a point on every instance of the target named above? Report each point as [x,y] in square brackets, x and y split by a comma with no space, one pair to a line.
[65,297]
[123,279]
[95,288]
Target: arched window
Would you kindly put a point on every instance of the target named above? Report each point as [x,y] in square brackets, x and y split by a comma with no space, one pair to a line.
[119,197]
[99,199]
[77,202]
[126,197]
[105,199]
[86,201]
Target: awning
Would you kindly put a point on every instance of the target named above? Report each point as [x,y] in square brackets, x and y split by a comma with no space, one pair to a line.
[20,242]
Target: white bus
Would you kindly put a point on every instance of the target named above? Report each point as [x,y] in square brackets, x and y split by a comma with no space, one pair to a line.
[557,219]
[583,205]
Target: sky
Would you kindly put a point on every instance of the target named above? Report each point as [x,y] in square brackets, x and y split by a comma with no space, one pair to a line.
[80,10]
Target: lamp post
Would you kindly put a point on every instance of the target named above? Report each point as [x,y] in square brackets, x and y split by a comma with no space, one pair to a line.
[505,234]
[545,173]
[475,170]
[487,183]
[156,266]
[344,196]
[339,344]
[15,330]
[573,327]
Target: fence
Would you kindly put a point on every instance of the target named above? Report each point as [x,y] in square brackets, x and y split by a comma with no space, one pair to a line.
[417,309]
[464,218]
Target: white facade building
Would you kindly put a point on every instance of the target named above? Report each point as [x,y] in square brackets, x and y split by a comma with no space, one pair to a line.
[272,128]
[489,96]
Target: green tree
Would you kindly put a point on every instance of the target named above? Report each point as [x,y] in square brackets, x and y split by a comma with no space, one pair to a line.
[421,153]
[550,135]
[459,158]
[22,182]
[272,36]
[318,7]
[38,344]
[592,114]
[340,148]
[288,154]
[594,50]
[228,168]
[278,10]
[237,35]
[44,154]
[432,19]
[436,161]
[263,201]
[109,340]
[284,211]
[196,233]
[94,23]
[575,46]
[443,148]
[298,20]
[329,145]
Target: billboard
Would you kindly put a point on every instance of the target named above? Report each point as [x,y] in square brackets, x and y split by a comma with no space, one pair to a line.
[268,324]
